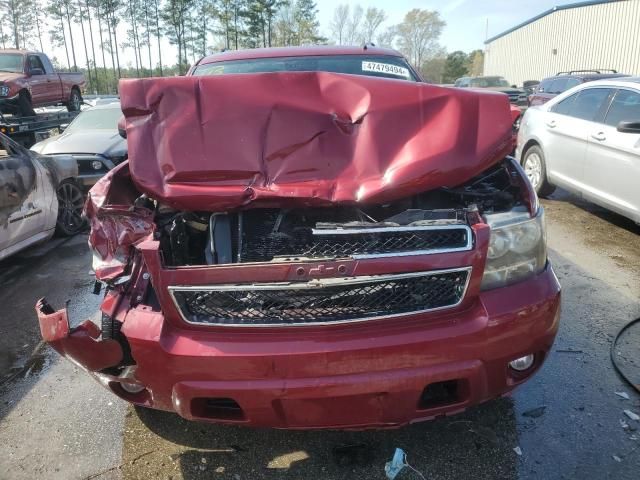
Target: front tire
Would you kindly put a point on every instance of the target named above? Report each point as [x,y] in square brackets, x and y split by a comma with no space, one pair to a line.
[25,107]
[535,167]
[70,204]
[75,100]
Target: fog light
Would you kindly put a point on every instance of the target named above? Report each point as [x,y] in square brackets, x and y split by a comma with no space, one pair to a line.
[131,387]
[523,363]
[96,164]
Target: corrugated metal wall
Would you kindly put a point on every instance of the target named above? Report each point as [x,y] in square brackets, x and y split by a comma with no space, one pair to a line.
[595,36]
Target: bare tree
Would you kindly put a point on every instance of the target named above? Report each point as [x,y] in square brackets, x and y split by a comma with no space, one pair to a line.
[373,18]
[338,25]
[353,34]
[387,38]
[418,35]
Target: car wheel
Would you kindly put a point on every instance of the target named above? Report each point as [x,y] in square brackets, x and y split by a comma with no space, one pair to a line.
[70,203]
[534,166]
[25,107]
[75,100]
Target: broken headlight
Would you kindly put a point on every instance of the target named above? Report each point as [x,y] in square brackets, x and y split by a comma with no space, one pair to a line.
[517,248]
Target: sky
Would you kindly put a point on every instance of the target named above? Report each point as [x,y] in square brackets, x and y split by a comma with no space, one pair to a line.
[468,22]
[466,19]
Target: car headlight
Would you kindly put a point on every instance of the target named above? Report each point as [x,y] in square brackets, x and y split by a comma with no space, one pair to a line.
[4,91]
[517,248]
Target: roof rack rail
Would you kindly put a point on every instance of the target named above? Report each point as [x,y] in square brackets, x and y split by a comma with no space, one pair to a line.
[599,71]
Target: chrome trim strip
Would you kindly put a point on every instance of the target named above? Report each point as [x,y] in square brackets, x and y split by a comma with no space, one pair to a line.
[408,228]
[317,283]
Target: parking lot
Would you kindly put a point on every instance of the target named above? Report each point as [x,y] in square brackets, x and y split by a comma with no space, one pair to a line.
[567,422]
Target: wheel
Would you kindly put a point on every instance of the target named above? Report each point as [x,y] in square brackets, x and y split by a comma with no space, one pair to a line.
[535,168]
[25,107]
[75,100]
[70,203]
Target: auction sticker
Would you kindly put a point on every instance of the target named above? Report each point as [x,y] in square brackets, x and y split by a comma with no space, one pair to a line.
[385,68]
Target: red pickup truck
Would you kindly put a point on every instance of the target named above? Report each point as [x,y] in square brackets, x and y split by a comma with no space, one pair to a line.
[28,80]
[313,238]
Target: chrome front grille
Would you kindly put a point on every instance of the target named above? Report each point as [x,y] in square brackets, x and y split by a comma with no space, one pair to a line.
[320,302]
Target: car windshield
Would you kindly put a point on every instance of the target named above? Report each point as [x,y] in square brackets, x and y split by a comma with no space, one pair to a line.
[10,62]
[96,119]
[488,82]
[370,65]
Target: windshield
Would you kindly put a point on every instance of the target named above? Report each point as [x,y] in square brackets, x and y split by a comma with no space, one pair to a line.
[10,62]
[488,82]
[369,65]
[100,119]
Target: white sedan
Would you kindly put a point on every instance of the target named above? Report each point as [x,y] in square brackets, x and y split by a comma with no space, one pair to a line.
[587,141]
[38,197]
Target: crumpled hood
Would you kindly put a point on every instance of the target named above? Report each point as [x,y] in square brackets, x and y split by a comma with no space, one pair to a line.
[305,138]
[104,142]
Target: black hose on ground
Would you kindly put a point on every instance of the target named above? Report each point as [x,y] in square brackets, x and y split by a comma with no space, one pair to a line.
[635,386]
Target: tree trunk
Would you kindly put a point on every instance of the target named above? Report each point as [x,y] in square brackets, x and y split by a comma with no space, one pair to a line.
[16,34]
[158,37]
[115,42]
[39,32]
[64,39]
[112,51]
[133,35]
[93,48]
[73,49]
[146,29]
[104,61]
[4,46]
[84,41]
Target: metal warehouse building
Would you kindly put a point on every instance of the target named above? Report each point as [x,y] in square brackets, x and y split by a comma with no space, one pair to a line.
[578,36]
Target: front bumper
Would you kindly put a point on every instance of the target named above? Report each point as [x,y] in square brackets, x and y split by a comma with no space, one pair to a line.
[88,180]
[372,374]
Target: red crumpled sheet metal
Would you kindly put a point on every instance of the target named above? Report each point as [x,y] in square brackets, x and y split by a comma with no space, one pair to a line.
[116,224]
[305,138]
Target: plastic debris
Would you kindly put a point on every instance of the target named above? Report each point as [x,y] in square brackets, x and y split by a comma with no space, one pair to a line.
[397,463]
[535,412]
[624,395]
[616,458]
[632,415]
[624,424]
[393,468]
[518,451]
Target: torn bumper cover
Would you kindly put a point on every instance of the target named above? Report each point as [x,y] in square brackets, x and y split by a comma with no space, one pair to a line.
[82,344]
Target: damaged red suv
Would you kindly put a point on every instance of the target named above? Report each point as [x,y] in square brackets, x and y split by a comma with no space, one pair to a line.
[313,238]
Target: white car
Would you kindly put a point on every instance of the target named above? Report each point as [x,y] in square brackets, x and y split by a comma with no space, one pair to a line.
[587,141]
[39,196]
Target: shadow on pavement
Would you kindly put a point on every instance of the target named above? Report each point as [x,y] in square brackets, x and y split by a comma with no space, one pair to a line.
[476,444]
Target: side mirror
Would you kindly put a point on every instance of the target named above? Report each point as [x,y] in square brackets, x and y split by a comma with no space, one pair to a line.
[63,127]
[122,130]
[629,127]
[36,71]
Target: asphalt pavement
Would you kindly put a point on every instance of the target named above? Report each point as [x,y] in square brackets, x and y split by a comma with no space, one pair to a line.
[566,423]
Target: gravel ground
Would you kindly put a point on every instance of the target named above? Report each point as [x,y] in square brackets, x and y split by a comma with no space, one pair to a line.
[55,422]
